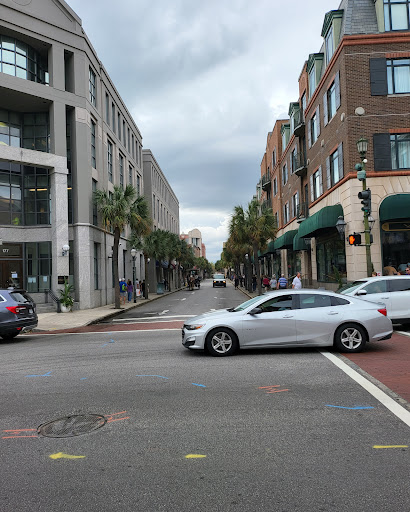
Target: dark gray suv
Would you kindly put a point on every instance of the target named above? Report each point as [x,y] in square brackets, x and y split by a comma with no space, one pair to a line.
[17,313]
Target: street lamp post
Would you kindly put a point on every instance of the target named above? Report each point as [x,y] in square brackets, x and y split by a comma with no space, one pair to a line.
[362,145]
[134,254]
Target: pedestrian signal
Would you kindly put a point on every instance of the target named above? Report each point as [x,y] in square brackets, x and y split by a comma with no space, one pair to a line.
[355,239]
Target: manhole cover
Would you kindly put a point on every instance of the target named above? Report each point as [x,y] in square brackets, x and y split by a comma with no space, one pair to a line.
[70,426]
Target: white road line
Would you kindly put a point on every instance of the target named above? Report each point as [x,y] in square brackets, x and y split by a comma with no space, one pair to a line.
[384,399]
[183,299]
[163,312]
[403,332]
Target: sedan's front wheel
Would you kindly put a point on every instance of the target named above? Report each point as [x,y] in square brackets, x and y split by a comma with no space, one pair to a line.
[350,338]
[222,342]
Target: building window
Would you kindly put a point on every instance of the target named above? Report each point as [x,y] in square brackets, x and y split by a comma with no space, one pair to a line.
[130,173]
[334,167]
[119,126]
[286,213]
[295,204]
[293,160]
[396,14]
[331,100]
[38,266]
[153,206]
[92,84]
[96,269]
[123,134]
[121,171]
[20,60]
[303,102]
[129,146]
[107,108]
[276,216]
[133,146]
[330,46]
[314,128]
[30,131]
[93,143]
[398,76]
[95,210]
[113,116]
[109,160]
[312,82]
[400,151]
[275,186]
[314,69]
[316,184]
[285,174]
[138,185]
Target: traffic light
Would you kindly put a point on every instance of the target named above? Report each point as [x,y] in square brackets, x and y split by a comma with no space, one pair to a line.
[355,239]
[366,197]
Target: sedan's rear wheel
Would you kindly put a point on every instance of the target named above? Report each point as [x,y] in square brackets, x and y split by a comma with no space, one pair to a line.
[222,342]
[350,338]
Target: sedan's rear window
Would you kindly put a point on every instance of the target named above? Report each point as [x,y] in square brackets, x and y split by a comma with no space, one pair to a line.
[20,297]
[400,285]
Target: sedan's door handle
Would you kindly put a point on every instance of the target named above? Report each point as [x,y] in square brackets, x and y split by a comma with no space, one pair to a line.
[288,316]
[384,297]
[333,313]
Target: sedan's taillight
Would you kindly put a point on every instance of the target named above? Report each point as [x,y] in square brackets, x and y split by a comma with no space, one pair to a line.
[15,309]
[383,311]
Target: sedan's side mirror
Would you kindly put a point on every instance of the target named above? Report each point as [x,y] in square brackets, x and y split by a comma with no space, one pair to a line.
[361,292]
[255,311]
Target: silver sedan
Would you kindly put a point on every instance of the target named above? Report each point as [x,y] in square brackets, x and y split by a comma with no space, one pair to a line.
[289,318]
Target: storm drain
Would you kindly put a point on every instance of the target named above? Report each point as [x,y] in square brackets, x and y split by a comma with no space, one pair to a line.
[70,426]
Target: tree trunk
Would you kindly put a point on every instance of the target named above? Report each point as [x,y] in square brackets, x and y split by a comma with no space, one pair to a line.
[146,276]
[115,264]
[257,268]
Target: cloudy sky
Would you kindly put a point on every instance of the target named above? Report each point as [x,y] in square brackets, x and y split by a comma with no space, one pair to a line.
[205,82]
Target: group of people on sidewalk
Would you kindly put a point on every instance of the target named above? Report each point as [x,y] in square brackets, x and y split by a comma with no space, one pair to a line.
[127,290]
[281,283]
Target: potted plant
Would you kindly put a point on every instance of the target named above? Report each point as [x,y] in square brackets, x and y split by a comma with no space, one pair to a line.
[66,300]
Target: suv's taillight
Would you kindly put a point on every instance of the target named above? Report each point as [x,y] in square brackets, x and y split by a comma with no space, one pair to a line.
[15,309]
[383,311]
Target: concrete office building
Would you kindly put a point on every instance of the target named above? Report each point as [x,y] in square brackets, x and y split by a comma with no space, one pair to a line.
[64,132]
[164,209]
[356,86]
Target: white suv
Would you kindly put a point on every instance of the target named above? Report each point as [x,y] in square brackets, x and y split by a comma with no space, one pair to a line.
[393,291]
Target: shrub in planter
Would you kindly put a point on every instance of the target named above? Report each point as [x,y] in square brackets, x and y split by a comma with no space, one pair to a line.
[66,298]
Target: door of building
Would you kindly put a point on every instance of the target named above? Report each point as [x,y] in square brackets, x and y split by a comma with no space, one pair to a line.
[11,265]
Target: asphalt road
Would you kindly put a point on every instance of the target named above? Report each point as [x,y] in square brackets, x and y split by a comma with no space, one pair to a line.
[261,431]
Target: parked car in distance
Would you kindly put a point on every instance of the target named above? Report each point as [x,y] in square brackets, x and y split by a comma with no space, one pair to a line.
[219,280]
[17,313]
[393,291]
[289,318]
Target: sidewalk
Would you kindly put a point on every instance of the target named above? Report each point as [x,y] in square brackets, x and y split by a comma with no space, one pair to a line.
[57,321]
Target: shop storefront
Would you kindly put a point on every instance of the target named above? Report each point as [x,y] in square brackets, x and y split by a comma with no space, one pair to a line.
[293,259]
[394,217]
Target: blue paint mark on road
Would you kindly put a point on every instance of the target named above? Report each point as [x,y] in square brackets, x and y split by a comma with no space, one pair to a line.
[199,385]
[45,375]
[112,341]
[159,376]
[83,378]
[356,408]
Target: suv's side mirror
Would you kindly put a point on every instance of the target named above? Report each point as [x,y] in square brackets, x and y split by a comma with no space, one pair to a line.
[361,292]
[255,311]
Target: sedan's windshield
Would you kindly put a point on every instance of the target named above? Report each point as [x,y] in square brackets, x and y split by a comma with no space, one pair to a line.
[245,305]
[350,287]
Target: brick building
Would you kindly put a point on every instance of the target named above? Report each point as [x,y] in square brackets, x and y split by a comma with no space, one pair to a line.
[356,86]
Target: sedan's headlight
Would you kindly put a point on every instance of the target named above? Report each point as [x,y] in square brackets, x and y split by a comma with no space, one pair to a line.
[193,327]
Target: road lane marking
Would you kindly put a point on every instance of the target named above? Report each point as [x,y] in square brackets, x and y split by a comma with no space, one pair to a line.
[391,446]
[195,456]
[352,408]
[377,393]
[404,333]
[163,312]
[61,455]
[159,376]
[45,375]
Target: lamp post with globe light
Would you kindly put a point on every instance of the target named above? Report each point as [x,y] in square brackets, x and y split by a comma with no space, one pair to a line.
[365,195]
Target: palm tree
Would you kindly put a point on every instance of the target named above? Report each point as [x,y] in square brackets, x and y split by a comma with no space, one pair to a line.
[119,209]
[254,228]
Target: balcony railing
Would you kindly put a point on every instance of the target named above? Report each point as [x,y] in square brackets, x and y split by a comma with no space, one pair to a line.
[266,204]
[299,164]
[302,212]
[298,124]
[266,181]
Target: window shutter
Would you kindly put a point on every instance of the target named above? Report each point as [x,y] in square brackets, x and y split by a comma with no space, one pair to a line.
[325,114]
[340,159]
[337,89]
[378,77]
[320,180]
[312,191]
[309,132]
[318,120]
[328,177]
[382,152]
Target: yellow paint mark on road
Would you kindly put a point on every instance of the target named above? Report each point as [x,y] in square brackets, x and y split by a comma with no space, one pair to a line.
[391,446]
[194,456]
[61,455]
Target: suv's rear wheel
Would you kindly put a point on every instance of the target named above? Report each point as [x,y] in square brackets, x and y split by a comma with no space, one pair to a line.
[350,338]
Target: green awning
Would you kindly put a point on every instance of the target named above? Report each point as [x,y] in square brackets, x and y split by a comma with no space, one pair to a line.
[286,240]
[396,206]
[299,243]
[324,218]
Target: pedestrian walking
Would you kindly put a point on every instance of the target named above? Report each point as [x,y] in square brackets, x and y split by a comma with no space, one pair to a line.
[282,282]
[236,281]
[130,289]
[143,288]
[266,283]
[123,290]
[297,283]
[273,282]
